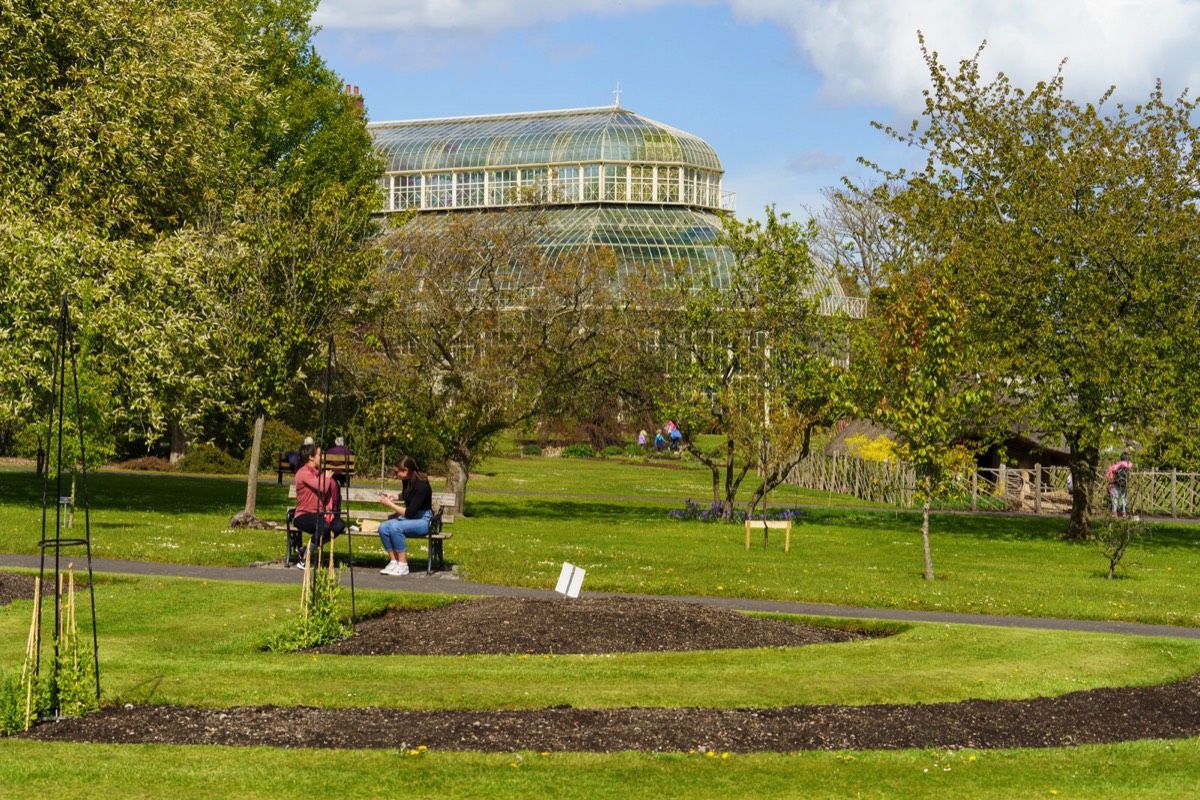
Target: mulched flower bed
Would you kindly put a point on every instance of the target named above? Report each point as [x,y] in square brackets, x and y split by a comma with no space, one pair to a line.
[520,626]
[20,587]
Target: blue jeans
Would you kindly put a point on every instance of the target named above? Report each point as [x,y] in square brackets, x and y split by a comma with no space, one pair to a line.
[1119,497]
[395,532]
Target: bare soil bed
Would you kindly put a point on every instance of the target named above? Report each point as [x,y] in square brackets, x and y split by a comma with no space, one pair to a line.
[513,626]
[20,587]
[521,626]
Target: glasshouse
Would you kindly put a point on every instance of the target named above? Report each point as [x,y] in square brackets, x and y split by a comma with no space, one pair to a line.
[605,177]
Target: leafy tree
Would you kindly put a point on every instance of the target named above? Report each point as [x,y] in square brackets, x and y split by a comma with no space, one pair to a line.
[293,256]
[1069,233]
[197,183]
[117,126]
[480,330]
[914,371]
[753,359]
[297,270]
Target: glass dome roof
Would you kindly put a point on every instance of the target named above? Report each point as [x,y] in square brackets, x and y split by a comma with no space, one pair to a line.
[608,134]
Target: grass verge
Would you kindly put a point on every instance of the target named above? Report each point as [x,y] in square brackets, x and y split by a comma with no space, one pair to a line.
[1138,770]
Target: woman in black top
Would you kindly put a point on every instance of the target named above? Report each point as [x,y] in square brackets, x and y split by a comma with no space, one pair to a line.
[411,519]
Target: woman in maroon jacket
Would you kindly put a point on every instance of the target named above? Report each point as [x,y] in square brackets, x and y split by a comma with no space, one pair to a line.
[317,502]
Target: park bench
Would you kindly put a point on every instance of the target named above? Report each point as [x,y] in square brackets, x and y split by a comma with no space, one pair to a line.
[338,462]
[282,465]
[362,521]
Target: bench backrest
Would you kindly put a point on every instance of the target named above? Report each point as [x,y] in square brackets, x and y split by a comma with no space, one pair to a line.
[339,462]
[356,494]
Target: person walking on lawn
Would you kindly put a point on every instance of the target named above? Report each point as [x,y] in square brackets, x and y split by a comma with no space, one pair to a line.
[1118,485]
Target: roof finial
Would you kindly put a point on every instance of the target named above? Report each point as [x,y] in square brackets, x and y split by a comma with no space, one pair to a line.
[617,95]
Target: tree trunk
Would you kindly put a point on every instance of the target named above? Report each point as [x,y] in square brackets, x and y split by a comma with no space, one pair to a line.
[716,480]
[925,533]
[759,496]
[1085,465]
[458,471]
[180,443]
[247,518]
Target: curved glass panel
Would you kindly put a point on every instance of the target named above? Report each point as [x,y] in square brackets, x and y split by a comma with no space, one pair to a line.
[547,137]
[648,237]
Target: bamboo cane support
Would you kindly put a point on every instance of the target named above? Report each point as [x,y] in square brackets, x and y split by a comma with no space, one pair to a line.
[28,672]
[72,632]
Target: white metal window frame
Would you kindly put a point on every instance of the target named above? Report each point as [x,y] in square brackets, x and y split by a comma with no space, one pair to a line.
[636,183]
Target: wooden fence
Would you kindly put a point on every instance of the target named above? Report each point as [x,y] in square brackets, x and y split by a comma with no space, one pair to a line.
[1039,490]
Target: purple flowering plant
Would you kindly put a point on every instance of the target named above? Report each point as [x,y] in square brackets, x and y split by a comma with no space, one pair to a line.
[695,512]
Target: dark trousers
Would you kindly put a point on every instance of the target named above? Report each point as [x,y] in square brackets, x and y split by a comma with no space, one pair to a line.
[320,530]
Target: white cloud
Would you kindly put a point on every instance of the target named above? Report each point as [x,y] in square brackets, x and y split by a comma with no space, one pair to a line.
[866,51]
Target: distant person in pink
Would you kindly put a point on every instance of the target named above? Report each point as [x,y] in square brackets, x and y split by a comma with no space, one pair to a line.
[1118,485]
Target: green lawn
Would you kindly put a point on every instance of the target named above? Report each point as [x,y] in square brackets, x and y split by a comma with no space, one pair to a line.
[165,638]
[181,641]
[170,640]
[527,516]
[1135,771]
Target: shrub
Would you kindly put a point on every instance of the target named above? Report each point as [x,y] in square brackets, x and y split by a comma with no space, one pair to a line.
[206,459]
[1114,536]
[148,464]
[531,450]
[880,448]
[12,706]
[634,450]
[612,450]
[580,450]
[694,512]
[278,437]
[318,622]
[65,685]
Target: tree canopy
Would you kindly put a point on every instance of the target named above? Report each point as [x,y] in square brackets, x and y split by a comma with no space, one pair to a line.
[181,176]
[915,371]
[754,359]
[480,329]
[1069,231]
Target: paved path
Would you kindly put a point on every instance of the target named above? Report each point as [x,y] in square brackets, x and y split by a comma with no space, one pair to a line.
[448,583]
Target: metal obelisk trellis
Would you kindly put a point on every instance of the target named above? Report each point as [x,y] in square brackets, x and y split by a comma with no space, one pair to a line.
[53,542]
[331,370]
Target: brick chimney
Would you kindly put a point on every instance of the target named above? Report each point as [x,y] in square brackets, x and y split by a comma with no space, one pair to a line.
[355,97]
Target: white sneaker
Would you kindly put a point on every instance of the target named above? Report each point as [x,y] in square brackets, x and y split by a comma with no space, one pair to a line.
[388,569]
[399,568]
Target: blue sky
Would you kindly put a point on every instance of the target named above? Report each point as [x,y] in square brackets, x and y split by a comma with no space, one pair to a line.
[784,90]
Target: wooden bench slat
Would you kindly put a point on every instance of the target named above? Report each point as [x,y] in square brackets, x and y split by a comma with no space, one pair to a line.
[338,462]
[357,495]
